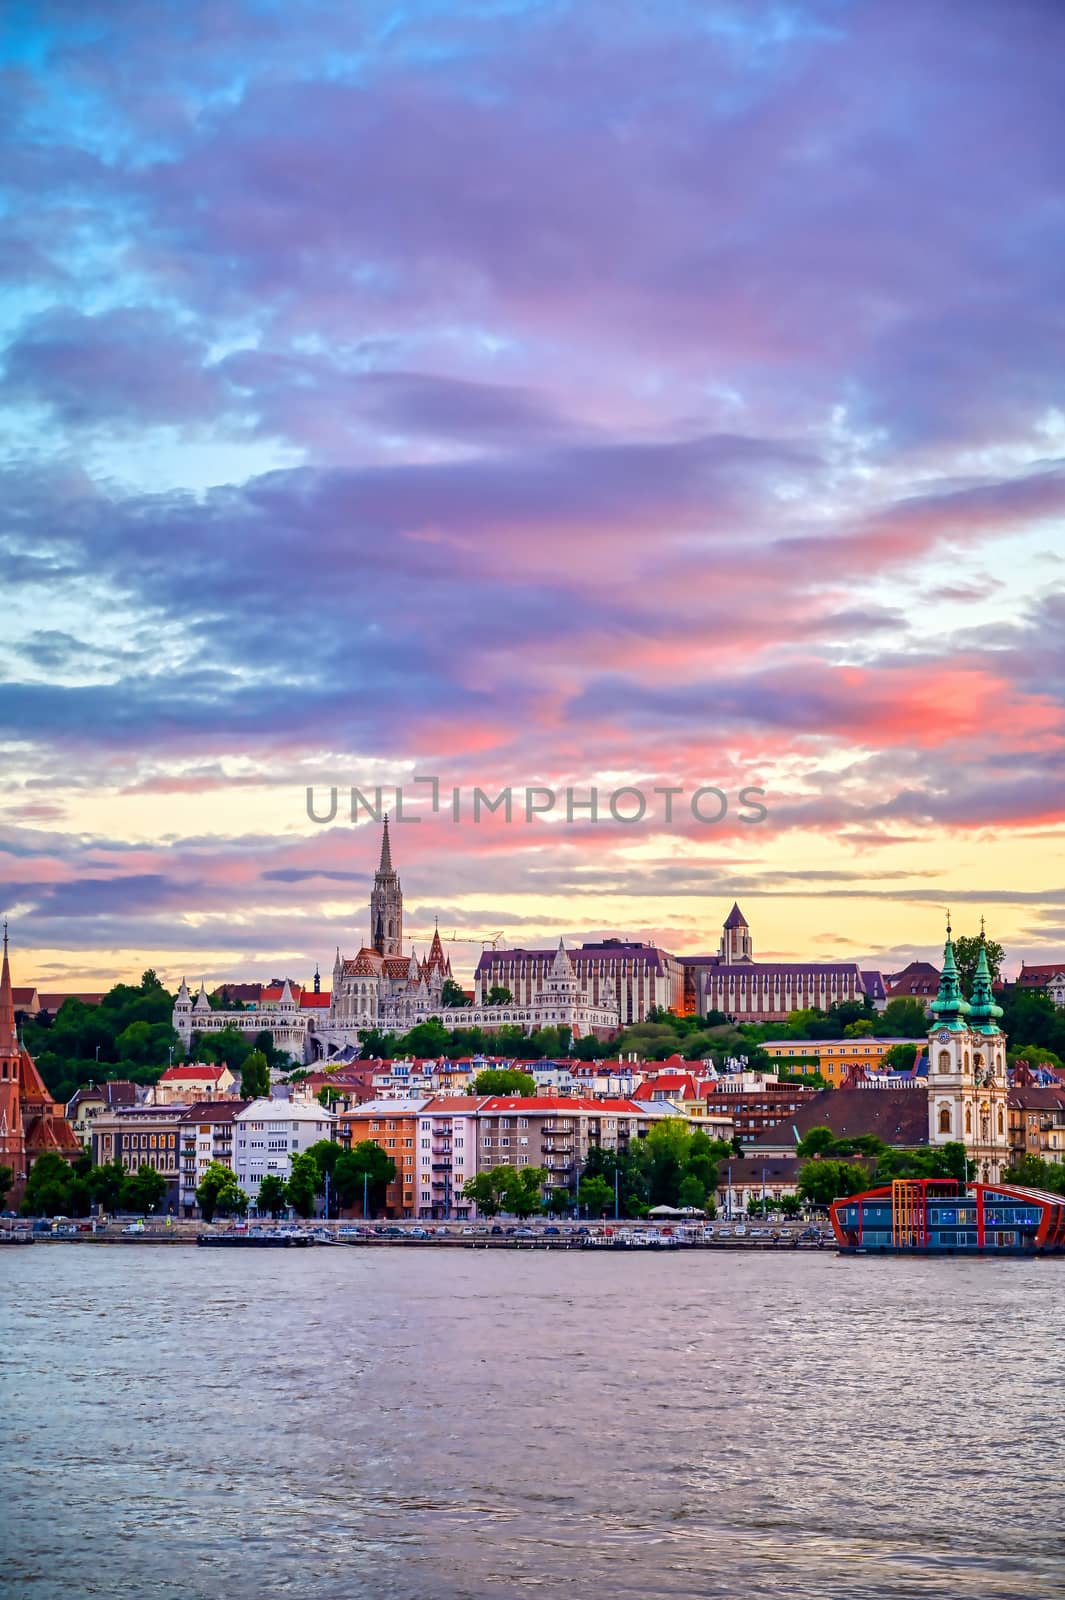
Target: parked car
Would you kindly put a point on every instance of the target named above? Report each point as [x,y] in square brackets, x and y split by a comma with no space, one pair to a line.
[552,1230]
[133,1227]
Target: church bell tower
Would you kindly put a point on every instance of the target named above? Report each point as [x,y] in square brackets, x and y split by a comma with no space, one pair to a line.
[967,1088]
[386,904]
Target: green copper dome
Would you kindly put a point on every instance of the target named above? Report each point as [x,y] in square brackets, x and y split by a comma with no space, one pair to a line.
[983,1012]
[950,1007]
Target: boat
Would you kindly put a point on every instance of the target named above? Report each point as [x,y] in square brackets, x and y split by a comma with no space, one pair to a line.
[251,1240]
[942,1216]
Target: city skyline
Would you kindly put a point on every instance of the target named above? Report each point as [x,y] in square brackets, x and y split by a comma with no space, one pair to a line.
[572,396]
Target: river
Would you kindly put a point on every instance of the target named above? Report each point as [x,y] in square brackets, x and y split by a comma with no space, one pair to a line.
[424,1425]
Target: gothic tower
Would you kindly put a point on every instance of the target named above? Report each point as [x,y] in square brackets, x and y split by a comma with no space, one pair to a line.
[967,1069]
[386,904]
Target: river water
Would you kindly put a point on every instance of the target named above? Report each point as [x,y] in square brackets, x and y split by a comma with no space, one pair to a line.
[446,1425]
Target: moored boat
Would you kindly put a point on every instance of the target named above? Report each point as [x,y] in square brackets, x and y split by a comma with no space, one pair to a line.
[941,1216]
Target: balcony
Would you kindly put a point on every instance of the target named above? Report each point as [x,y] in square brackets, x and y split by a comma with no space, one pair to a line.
[558,1127]
[441,1166]
[558,1147]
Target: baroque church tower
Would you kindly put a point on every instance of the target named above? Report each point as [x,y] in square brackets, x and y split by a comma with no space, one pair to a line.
[967,1085]
[386,904]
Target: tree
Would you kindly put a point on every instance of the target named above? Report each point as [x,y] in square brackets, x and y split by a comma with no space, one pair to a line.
[105,1184]
[596,1195]
[1032,1173]
[272,1197]
[691,1192]
[7,1180]
[365,1169]
[255,1076]
[558,1201]
[452,994]
[482,1191]
[967,955]
[143,1190]
[218,1191]
[520,1188]
[504,1080]
[789,1205]
[499,995]
[862,1029]
[325,1153]
[816,1142]
[47,1191]
[900,1058]
[303,1184]
[904,1018]
[825,1181]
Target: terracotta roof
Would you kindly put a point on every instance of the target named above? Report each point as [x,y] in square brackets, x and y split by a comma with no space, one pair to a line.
[53,1001]
[1035,977]
[189,1074]
[22,998]
[309,1001]
[897,1116]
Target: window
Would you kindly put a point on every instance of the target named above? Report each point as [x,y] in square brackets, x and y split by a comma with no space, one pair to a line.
[944,1119]
[505,1143]
[487,1143]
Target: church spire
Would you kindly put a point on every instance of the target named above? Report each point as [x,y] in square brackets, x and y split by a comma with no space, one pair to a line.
[983,1012]
[950,1007]
[385,864]
[9,1045]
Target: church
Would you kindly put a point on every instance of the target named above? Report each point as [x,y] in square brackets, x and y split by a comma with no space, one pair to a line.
[31,1123]
[967,1083]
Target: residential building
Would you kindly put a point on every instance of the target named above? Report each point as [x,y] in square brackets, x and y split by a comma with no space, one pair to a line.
[759,1112]
[267,1134]
[391,1124]
[1036,1118]
[86,1104]
[142,1135]
[918,981]
[447,1141]
[1050,976]
[196,1081]
[557,1133]
[205,1136]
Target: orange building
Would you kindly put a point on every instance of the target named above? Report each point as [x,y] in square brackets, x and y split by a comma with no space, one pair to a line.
[393,1126]
[833,1058]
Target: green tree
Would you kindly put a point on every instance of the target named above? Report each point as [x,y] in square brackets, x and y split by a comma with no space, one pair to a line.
[967,955]
[143,1190]
[219,1193]
[789,1205]
[904,1018]
[824,1181]
[105,1184]
[558,1201]
[864,1028]
[1032,1173]
[452,994]
[255,1076]
[595,1195]
[303,1182]
[499,995]
[900,1058]
[520,1188]
[504,1081]
[482,1191]
[47,1192]
[7,1181]
[272,1197]
[692,1192]
[325,1153]
[365,1169]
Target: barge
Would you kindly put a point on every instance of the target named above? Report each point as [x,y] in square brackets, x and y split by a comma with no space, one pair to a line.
[941,1216]
[255,1241]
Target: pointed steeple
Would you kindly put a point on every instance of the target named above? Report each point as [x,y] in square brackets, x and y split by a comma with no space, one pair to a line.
[735,918]
[983,1012]
[562,966]
[9,1045]
[385,864]
[950,1008]
[202,1002]
[436,951]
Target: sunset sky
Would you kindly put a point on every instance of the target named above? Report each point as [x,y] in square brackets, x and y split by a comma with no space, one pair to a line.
[531,393]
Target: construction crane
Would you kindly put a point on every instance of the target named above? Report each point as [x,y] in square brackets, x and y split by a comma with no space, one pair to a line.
[488,941]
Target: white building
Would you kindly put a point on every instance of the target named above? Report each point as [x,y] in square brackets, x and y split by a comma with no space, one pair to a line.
[268,1133]
[447,1155]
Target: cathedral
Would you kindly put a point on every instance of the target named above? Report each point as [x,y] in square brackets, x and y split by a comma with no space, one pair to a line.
[967,1085]
[31,1123]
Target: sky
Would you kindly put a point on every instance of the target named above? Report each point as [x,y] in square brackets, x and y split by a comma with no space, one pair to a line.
[529,393]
